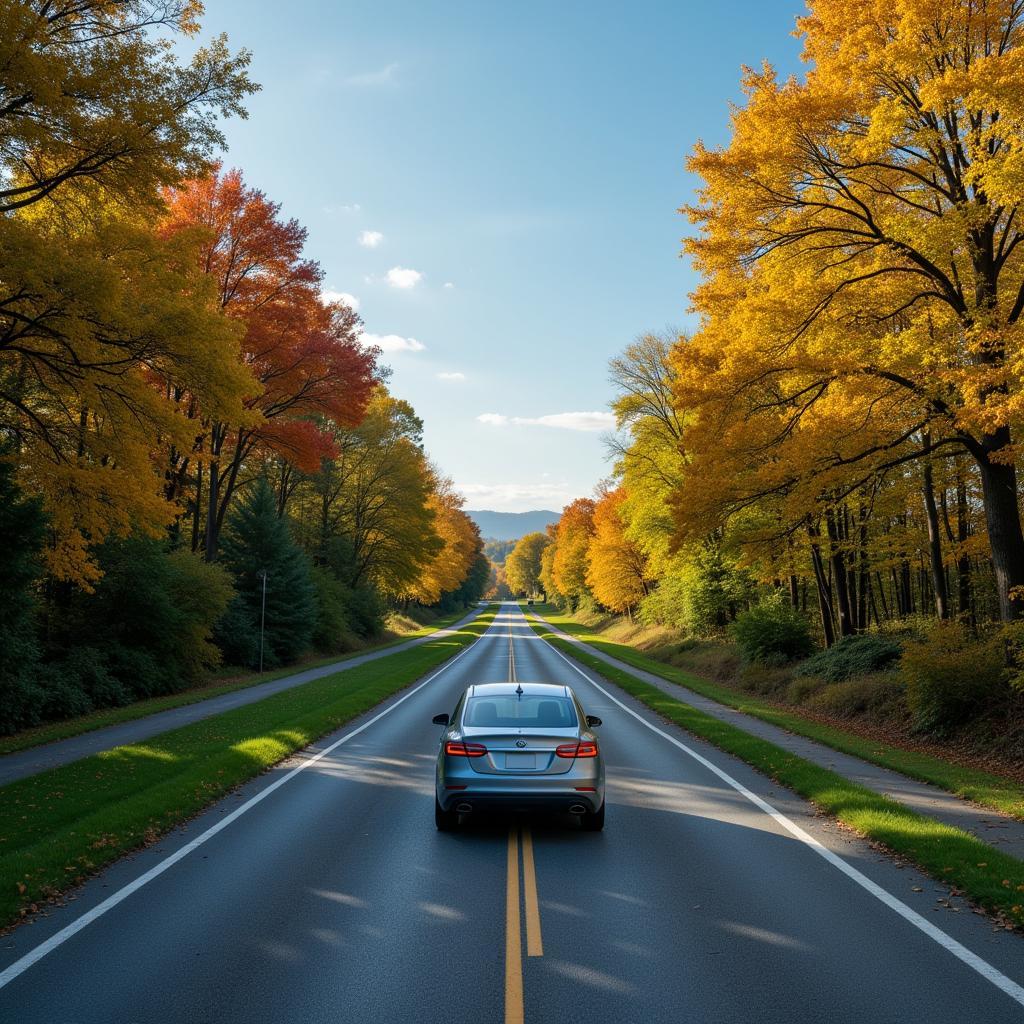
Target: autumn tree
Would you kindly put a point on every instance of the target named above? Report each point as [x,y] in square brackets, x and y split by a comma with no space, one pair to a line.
[96,106]
[310,369]
[457,551]
[569,567]
[367,509]
[860,247]
[547,566]
[616,567]
[523,562]
[98,329]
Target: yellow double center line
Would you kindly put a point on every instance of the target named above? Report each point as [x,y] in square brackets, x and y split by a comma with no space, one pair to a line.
[513,923]
[511,655]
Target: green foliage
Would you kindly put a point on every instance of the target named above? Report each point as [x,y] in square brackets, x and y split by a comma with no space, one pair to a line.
[21,527]
[255,542]
[701,592]
[772,633]
[332,634]
[881,696]
[159,603]
[952,677]
[852,656]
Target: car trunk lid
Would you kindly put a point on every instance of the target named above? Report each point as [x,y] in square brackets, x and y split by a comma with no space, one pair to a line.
[525,752]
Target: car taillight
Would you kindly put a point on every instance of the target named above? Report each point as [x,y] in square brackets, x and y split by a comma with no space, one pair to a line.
[587,748]
[465,749]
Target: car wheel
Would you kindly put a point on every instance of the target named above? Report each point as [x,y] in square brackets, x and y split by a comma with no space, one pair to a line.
[446,821]
[593,822]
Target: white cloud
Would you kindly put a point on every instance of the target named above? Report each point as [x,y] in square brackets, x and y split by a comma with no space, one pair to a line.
[403,277]
[448,284]
[391,342]
[517,497]
[330,295]
[451,376]
[343,208]
[589,421]
[370,239]
[382,76]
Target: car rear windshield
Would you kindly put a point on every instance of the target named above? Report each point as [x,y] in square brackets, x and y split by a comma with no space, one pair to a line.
[529,711]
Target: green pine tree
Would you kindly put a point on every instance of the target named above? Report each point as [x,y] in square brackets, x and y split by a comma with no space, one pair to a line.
[256,541]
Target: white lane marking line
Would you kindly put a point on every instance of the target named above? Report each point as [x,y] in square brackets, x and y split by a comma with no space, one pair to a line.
[961,952]
[33,956]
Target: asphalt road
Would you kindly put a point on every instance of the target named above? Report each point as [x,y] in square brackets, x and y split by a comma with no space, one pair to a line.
[333,899]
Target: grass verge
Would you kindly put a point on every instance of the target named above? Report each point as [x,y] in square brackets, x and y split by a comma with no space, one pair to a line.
[61,826]
[63,730]
[982,787]
[989,878]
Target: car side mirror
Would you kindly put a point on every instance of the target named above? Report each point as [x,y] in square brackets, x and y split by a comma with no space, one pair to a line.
[441,719]
[593,721]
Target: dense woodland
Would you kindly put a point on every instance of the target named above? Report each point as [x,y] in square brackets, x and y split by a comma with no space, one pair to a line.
[834,449]
[188,428]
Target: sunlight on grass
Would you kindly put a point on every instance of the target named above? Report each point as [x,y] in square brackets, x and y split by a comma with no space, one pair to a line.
[137,751]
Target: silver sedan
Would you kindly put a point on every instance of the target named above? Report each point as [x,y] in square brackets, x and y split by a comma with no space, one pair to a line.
[519,746]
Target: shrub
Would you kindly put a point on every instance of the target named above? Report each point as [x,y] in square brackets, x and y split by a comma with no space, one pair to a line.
[772,633]
[802,689]
[331,634]
[763,678]
[237,635]
[852,656]
[952,677]
[880,696]
[22,526]
[21,701]
[365,611]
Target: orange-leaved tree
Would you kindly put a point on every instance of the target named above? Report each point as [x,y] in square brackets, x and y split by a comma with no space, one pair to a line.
[569,566]
[616,567]
[305,354]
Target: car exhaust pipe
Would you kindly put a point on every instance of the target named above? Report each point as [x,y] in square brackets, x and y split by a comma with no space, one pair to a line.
[463,808]
[577,809]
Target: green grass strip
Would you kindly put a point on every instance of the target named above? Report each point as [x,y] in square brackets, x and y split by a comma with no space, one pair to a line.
[61,826]
[63,730]
[989,878]
[982,787]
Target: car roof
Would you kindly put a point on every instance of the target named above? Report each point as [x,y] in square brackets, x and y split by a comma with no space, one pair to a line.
[503,689]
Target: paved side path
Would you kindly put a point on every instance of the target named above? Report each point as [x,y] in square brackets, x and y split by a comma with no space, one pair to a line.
[23,763]
[1001,831]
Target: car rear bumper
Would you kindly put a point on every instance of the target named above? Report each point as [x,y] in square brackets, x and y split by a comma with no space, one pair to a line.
[468,800]
[458,785]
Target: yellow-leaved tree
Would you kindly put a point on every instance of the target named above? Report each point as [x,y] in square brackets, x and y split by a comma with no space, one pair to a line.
[863,273]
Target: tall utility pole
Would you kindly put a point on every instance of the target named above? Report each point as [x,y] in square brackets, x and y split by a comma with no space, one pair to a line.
[263,613]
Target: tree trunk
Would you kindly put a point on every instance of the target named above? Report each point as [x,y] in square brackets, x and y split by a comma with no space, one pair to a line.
[213,494]
[965,604]
[838,562]
[934,538]
[824,589]
[197,506]
[1006,539]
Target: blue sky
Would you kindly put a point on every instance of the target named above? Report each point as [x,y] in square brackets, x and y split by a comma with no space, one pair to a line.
[497,185]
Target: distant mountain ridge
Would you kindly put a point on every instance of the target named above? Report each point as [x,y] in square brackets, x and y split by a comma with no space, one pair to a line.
[511,525]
